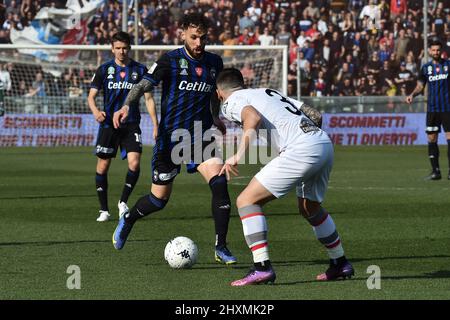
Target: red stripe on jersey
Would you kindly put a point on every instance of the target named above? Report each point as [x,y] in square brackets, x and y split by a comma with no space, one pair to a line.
[252,215]
[331,246]
[258,246]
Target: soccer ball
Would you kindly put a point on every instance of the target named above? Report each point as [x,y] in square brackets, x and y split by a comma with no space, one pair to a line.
[181,253]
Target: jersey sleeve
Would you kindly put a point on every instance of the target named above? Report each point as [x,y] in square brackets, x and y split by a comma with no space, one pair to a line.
[97,79]
[422,75]
[232,108]
[158,71]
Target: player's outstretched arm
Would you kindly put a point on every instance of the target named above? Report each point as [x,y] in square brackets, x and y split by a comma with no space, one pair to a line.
[250,119]
[418,89]
[137,91]
[151,108]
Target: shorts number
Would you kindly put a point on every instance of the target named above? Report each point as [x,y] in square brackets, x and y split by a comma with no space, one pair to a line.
[138,137]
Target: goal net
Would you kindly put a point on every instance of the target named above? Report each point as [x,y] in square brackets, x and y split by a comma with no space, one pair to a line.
[45,101]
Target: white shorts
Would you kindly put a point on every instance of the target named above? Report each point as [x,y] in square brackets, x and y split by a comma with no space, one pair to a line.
[307,168]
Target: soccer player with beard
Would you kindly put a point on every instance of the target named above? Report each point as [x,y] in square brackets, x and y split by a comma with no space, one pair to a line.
[188,77]
[435,74]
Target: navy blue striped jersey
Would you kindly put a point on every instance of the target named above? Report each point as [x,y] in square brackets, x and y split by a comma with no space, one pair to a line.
[187,86]
[116,82]
[436,76]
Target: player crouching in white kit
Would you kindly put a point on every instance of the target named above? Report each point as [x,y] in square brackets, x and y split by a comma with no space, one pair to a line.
[305,161]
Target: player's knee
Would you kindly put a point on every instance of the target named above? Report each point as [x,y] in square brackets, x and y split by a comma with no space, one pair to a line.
[134,166]
[242,201]
[308,208]
[103,166]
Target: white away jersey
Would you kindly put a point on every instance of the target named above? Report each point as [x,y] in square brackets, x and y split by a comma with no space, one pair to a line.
[278,112]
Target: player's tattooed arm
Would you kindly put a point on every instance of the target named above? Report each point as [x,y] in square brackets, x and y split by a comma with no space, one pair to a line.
[313,114]
[137,91]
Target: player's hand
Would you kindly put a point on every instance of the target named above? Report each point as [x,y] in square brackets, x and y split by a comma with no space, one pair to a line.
[120,116]
[409,99]
[220,125]
[230,167]
[100,116]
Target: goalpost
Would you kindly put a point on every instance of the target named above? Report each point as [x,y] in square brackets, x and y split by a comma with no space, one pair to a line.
[58,114]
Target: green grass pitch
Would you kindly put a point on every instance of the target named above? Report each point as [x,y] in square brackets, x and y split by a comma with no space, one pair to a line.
[386,214]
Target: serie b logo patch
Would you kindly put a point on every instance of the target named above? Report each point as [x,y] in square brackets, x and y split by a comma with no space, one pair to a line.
[199,71]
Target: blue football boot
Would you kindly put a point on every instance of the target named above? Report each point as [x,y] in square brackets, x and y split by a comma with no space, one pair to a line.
[223,255]
[121,233]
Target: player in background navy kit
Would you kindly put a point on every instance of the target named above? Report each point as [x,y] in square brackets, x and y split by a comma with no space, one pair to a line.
[116,78]
[188,77]
[435,74]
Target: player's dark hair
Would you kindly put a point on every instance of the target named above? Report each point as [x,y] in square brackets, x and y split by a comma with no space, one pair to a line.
[196,20]
[122,37]
[230,78]
[434,42]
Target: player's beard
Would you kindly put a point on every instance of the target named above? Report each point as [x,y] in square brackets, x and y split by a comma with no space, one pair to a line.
[194,54]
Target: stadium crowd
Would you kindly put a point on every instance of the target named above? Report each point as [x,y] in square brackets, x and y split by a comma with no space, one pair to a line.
[345,48]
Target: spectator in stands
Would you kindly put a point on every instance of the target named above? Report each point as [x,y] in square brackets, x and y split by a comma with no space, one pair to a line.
[38,86]
[246,38]
[373,86]
[245,22]
[415,45]
[283,36]
[30,101]
[336,47]
[386,78]
[374,64]
[254,11]
[5,79]
[325,51]
[308,51]
[394,63]
[345,87]
[343,73]
[305,22]
[411,64]
[362,87]
[293,50]
[312,11]
[319,86]
[401,44]
[405,77]
[372,46]
[248,73]
[348,24]
[313,33]
[398,8]
[302,60]
[371,11]
[21,89]
[266,39]
[384,53]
